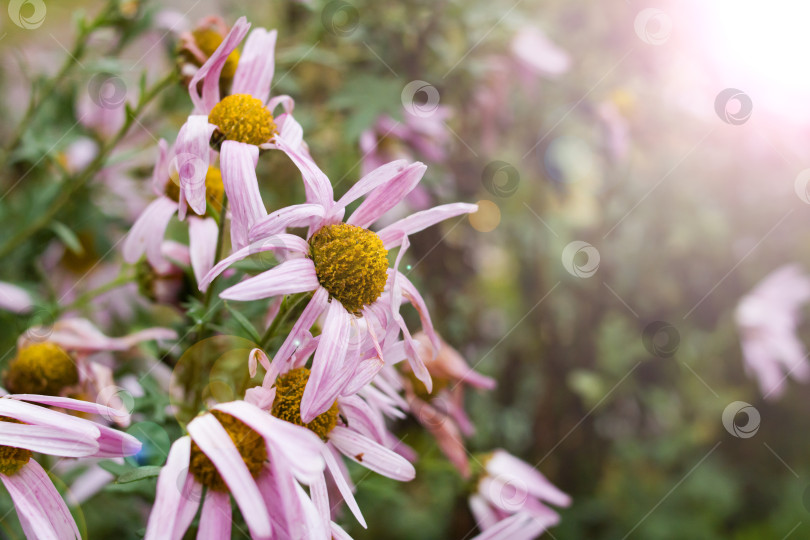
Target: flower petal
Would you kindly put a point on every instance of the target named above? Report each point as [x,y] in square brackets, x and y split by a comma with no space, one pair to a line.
[172,494]
[387,196]
[371,181]
[254,73]
[146,234]
[343,486]
[392,234]
[371,455]
[215,443]
[15,299]
[297,215]
[35,415]
[209,72]
[293,276]
[202,242]
[316,184]
[315,307]
[215,518]
[46,440]
[192,155]
[238,164]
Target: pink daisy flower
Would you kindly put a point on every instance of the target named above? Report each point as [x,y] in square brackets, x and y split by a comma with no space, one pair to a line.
[510,501]
[242,123]
[239,450]
[346,266]
[349,427]
[147,233]
[26,427]
[767,319]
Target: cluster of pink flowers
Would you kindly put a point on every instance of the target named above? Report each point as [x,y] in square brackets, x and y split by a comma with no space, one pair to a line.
[348,366]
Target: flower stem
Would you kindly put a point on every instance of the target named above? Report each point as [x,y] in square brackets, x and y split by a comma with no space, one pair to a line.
[286,308]
[83,299]
[217,257]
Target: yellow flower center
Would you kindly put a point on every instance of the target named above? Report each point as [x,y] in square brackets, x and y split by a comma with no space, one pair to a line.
[208,40]
[41,368]
[287,405]
[251,447]
[243,118]
[351,263]
[12,459]
[214,188]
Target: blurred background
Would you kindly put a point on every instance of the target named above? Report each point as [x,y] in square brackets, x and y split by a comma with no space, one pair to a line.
[639,169]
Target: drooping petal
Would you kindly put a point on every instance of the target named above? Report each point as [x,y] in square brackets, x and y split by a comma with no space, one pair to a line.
[371,181]
[412,294]
[371,455]
[192,153]
[238,164]
[202,242]
[343,486]
[392,234]
[327,374]
[39,505]
[171,494]
[320,498]
[316,184]
[315,307]
[209,72]
[387,196]
[254,73]
[215,518]
[160,174]
[215,443]
[35,415]
[297,215]
[364,374]
[146,234]
[293,276]
[360,417]
[114,443]
[256,357]
[278,242]
[78,334]
[508,466]
[46,440]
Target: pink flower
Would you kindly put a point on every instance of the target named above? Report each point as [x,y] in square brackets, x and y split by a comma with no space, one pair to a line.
[349,426]
[28,427]
[241,451]
[767,319]
[147,233]
[345,264]
[510,499]
[14,298]
[538,54]
[242,124]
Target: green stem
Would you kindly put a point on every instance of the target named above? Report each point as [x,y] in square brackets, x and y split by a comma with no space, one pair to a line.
[73,185]
[217,252]
[283,314]
[83,299]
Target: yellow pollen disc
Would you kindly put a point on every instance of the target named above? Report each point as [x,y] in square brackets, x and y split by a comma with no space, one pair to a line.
[251,447]
[208,40]
[214,188]
[243,118]
[287,405]
[41,368]
[12,459]
[351,263]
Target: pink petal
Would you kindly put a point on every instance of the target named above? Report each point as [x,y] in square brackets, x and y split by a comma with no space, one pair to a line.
[35,415]
[320,498]
[192,153]
[361,418]
[317,186]
[39,505]
[254,73]
[289,130]
[371,455]
[160,173]
[278,242]
[387,196]
[363,375]
[315,307]
[343,486]
[210,71]
[509,467]
[14,299]
[47,440]
[371,181]
[296,445]
[215,518]
[297,215]
[293,276]
[255,357]
[520,526]
[392,234]
[412,294]
[485,516]
[169,498]
[114,443]
[146,234]
[202,241]
[338,533]
[215,443]
[327,375]
[238,163]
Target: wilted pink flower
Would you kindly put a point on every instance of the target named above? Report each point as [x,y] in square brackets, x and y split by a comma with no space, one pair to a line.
[239,450]
[511,498]
[27,427]
[767,319]
[345,264]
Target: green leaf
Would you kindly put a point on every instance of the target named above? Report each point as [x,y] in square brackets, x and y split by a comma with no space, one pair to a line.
[141,473]
[67,237]
[115,468]
[244,323]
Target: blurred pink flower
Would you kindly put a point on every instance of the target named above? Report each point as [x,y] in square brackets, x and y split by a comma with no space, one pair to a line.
[14,299]
[511,497]
[767,319]
[538,54]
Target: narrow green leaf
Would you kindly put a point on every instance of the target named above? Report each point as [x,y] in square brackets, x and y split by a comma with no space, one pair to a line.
[141,473]
[244,323]
[67,237]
